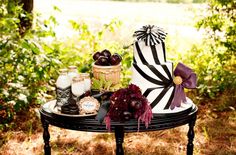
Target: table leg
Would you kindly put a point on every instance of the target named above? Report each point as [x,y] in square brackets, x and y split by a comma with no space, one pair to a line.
[191,135]
[46,137]
[119,135]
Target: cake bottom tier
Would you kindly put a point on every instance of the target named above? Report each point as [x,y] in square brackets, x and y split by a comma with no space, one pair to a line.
[156,84]
[160,99]
[185,107]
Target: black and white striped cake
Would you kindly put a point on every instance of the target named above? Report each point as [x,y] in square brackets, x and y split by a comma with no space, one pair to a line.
[150,70]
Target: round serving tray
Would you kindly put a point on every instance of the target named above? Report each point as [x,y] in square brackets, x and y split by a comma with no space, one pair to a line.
[184,109]
[50,106]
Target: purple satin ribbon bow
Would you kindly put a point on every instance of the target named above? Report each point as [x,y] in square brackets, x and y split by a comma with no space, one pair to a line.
[189,80]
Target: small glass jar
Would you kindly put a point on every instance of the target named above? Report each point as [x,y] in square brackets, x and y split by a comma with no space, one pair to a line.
[87,81]
[73,72]
[63,79]
[63,89]
[77,86]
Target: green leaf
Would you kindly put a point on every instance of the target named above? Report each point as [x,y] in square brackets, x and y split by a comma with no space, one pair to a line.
[96,84]
[56,8]
[115,87]
[107,85]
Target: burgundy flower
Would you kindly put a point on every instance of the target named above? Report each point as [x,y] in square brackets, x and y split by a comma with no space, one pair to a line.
[128,103]
[134,89]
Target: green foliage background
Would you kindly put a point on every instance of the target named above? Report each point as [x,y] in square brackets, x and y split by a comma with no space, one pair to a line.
[166,1]
[216,57]
[29,64]
[26,63]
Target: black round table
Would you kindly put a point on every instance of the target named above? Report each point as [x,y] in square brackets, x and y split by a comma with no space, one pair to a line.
[90,124]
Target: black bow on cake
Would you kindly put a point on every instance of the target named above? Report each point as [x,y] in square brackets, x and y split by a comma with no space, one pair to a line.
[150,34]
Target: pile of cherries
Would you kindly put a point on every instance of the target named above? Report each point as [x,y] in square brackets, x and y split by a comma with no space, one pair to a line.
[104,58]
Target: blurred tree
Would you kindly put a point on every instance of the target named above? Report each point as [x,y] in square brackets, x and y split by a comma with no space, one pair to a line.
[27,5]
[26,21]
[27,60]
[25,17]
[220,24]
[216,61]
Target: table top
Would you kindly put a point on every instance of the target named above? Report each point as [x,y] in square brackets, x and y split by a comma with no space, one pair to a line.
[89,123]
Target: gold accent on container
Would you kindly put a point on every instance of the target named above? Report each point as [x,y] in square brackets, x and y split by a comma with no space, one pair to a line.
[177,80]
[77,79]
[63,70]
[110,73]
[84,75]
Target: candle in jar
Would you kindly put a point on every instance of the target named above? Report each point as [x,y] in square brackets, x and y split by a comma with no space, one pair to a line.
[87,81]
[63,79]
[77,86]
[73,72]
[63,89]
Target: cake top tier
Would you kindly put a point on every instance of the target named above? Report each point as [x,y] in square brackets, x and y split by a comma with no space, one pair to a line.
[149,45]
[150,34]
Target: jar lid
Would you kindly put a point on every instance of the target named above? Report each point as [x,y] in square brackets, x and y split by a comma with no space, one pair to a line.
[77,79]
[63,70]
[84,75]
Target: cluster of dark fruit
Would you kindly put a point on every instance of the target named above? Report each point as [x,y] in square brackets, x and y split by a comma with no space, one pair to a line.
[127,103]
[105,58]
[134,105]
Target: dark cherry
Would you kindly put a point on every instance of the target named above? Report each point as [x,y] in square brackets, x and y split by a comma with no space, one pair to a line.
[133,103]
[115,59]
[96,55]
[102,61]
[127,115]
[138,105]
[106,53]
[97,63]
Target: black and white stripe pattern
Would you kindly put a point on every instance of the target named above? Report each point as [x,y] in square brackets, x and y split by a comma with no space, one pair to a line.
[154,54]
[150,70]
[156,83]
